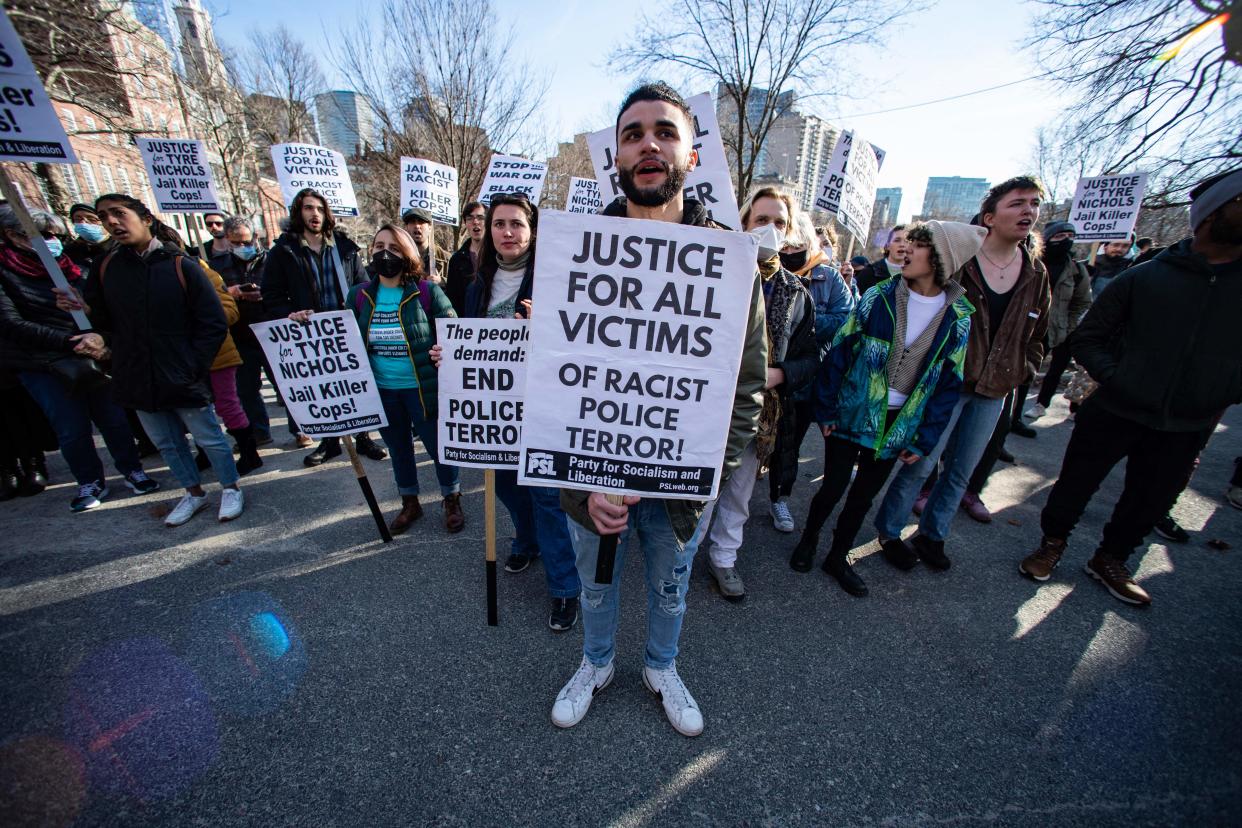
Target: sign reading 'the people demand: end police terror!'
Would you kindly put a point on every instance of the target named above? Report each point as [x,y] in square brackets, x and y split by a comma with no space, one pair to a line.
[481,381]
[633,365]
[323,373]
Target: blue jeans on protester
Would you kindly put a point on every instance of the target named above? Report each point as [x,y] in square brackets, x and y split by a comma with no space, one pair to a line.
[165,428]
[962,444]
[404,410]
[668,563]
[541,529]
[71,416]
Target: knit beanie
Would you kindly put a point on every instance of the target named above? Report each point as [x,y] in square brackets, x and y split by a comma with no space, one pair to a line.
[956,243]
[1227,188]
[88,208]
[1054,227]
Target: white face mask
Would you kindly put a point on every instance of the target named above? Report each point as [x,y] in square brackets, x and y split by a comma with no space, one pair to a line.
[770,240]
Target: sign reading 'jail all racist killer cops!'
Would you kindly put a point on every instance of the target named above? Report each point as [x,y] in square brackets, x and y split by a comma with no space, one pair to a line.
[1106,207]
[180,175]
[482,378]
[426,185]
[323,373]
[299,166]
[709,183]
[633,366]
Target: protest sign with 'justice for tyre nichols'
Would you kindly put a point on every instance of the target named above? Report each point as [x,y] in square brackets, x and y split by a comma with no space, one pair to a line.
[636,339]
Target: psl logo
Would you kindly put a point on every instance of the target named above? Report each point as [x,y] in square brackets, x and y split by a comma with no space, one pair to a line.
[540,463]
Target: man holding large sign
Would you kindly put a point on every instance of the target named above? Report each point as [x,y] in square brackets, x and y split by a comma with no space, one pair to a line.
[306,166]
[645,326]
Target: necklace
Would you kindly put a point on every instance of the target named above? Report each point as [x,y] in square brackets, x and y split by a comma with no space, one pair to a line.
[1004,267]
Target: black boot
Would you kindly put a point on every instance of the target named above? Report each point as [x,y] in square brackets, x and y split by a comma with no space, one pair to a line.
[34,476]
[248,459]
[327,449]
[803,557]
[1022,429]
[837,565]
[9,481]
[367,447]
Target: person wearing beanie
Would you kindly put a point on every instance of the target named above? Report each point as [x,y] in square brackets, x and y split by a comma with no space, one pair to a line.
[1008,286]
[1164,344]
[1071,297]
[889,385]
[89,237]
[1113,258]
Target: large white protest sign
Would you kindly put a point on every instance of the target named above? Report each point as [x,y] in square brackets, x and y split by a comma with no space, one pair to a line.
[836,182]
[631,375]
[323,373]
[299,166]
[482,379]
[426,185]
[709,183]
[29,127]
[583,196]
[510,174]
[1106,207]
[180,174]
[858,195]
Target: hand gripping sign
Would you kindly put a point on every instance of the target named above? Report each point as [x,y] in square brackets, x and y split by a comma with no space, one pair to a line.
[709,183]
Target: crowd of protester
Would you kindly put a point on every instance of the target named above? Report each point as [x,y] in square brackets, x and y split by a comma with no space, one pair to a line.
[914,368]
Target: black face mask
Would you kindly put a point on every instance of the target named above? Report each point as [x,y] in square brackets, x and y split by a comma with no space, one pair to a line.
[793,262]
[388,264]
[1058,250]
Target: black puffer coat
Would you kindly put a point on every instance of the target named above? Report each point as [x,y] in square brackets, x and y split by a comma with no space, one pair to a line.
[164,333]
[289,282]
[33,331]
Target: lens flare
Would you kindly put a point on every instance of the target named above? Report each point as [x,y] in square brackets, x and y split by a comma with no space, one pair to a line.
[247,652]
[141,719]
[1196,34]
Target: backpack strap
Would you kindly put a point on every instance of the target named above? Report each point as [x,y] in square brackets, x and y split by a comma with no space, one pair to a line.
[180,274]
[103,266]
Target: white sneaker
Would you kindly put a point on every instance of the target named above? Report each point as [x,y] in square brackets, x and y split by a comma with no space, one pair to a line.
[575,698]
[186,509]
[232,501]
[781,518]
[1036,411]
[680,707]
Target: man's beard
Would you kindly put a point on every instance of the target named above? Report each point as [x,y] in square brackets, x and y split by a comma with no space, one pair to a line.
[675,180]
[1224,232]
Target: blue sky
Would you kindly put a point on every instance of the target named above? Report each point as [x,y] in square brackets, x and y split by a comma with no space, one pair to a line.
[955,46]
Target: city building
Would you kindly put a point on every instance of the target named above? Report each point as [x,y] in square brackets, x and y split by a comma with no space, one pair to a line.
[160,18]
[202,59]
[953,197]
[346,121]
[887,206]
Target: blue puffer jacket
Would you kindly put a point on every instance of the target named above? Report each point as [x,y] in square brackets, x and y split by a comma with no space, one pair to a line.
[851,391]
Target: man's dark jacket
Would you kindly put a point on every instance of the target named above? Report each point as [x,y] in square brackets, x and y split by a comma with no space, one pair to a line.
[1164,341]
[289,282]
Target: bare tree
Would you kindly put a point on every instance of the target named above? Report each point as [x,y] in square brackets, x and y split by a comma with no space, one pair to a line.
[758,53]
[445,86]
[573,158]
[282,76]
[1162,90]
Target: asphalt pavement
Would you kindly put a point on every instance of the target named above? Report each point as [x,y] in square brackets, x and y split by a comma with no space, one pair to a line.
[290,669]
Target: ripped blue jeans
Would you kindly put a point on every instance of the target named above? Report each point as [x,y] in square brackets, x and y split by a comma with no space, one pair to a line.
[668,564]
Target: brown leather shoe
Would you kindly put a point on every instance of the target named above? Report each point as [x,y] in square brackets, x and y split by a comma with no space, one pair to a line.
[1116,579]
[454,518]
[411,510]
[1040,563]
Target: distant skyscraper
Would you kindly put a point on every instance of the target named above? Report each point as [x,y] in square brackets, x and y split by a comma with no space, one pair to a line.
[159,17]
[346,122]
[887,206]
[953,197]
[796,152]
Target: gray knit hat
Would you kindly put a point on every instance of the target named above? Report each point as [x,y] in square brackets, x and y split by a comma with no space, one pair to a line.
[956,242]
[1054,227]
[1208,200]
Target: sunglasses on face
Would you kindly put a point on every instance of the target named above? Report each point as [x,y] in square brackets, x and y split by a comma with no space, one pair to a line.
[511,198]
